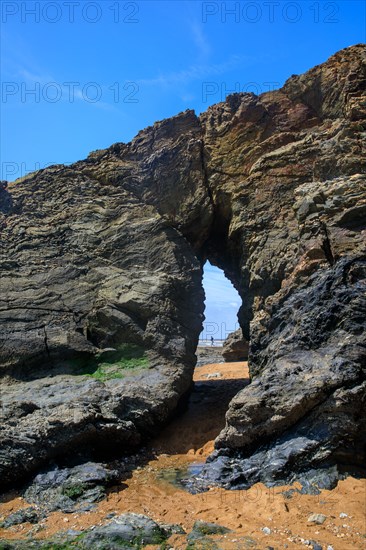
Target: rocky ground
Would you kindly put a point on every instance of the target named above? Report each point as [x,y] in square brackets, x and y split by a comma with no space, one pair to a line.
[102,303]
[209,354]
[144,498]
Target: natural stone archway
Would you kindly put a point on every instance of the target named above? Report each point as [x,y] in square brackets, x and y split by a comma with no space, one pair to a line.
[109,251]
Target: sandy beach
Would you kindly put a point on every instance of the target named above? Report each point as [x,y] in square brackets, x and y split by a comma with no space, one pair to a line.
[260,517]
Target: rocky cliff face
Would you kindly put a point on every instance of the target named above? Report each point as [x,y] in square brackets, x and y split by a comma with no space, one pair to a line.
[108,252]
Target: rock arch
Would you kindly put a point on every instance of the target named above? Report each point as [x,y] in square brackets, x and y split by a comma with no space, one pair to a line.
[110,250]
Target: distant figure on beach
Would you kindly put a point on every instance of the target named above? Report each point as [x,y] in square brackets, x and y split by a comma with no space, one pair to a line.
[212,341]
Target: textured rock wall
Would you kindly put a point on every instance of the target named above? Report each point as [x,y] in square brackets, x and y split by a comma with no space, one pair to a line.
[91,260]
[298,218]
[270,188]
[88,245]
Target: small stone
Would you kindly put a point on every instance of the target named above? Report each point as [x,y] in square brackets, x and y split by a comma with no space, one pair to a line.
[343,515]
[172,529]
[266,530]
[329,547]
[317,518]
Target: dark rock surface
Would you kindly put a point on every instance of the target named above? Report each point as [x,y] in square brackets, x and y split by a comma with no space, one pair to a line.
[235,347]
[307,375]
[6,202]
[108,253]
[71,489]
[91,263]
[199,536]
[133,529]
[231,471]
[201,529]
[302,401]
[125,531]
[25,515]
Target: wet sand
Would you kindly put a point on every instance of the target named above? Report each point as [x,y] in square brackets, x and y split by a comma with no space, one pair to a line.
[188,440]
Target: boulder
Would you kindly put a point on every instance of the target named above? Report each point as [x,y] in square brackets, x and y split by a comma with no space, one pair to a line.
[235,347]
[71,489]
[128,530]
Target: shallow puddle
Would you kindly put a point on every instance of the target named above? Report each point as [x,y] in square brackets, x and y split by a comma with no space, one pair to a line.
[179,476]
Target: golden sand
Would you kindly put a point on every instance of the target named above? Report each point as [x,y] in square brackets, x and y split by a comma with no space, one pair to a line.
[189,439]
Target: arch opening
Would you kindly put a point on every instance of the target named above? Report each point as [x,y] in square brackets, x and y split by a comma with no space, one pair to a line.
[216,380]
[222,302]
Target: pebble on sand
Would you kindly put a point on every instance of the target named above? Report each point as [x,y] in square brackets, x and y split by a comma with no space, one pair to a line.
[317,518]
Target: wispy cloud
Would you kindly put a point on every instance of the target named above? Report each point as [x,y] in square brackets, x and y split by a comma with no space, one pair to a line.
[69,92]
[33,77]
[20,66]
[193,73]
[16,53]
[200,40]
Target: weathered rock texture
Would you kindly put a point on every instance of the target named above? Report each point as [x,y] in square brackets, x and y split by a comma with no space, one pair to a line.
[235,347]
[270,188]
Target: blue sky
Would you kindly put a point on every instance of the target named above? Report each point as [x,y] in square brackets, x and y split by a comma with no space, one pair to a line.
[222,304]
[80,75]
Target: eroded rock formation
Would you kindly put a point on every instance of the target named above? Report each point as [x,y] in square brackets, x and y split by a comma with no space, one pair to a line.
[235,347]
[109,251]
